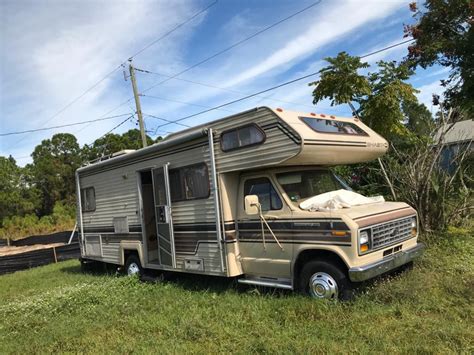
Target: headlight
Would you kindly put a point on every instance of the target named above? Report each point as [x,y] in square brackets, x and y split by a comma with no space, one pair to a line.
[414,229]
[364,237]
[364,241]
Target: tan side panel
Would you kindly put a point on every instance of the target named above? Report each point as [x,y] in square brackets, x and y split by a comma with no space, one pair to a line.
[277,147]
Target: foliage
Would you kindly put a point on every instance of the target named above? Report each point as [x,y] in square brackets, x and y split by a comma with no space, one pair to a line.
[112,143]
[340,81]
[443,35]
[379,95]
[16,196]
[418,119]
[17,227]
[55,161]
[441,191]
[382,108]
[56,308]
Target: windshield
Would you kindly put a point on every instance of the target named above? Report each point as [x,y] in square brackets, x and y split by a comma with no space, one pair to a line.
[300,185]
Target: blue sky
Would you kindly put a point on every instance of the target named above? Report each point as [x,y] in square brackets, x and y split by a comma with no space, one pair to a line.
[52,51]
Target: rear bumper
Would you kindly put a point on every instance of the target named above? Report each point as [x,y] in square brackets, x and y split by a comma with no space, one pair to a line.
[362,273]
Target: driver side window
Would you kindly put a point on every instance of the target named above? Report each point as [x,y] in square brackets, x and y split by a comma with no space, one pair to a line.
[267,195]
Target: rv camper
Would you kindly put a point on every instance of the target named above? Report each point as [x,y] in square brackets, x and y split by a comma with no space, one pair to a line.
[229,198]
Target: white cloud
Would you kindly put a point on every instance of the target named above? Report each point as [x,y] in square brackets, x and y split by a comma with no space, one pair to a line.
[339,20]
[52,51]
[65,47]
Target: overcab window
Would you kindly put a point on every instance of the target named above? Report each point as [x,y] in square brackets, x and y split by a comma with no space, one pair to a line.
[189,182]
[332,126]
[242,137]
[88,199]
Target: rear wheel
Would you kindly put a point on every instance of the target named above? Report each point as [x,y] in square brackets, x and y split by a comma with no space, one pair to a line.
[133,266]
[324,280]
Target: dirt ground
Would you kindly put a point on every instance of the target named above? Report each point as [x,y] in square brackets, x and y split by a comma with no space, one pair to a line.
[17,250]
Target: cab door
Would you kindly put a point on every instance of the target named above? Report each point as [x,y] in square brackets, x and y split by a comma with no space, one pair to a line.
[261,255]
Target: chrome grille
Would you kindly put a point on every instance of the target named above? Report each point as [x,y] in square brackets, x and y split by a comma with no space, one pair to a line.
[391,232]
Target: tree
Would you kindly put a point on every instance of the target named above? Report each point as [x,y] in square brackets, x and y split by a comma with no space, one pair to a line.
[340,81]
[17,197]
[112,143]
[443,35]
[55,161]
[418,118]
[379,95]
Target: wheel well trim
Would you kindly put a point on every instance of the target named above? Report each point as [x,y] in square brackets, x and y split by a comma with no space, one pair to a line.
[131,246]
[328,248]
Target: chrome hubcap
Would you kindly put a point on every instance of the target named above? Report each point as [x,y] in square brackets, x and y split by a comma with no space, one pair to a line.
[322,285]
[133,269]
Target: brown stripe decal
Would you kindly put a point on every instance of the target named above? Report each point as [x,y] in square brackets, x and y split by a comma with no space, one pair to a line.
[385,216]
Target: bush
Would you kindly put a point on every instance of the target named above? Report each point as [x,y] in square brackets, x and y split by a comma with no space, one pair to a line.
[16,227]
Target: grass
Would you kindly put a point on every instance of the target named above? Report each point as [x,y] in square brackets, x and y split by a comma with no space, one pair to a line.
[56,308]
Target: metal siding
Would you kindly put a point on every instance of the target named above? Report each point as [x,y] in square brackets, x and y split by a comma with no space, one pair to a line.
[209,252]
[277,147]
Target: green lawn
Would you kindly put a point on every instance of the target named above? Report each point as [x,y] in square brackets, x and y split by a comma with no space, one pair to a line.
[56,308]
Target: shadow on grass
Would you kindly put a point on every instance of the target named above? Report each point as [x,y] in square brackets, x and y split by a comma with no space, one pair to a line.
[185,281]
[218,284]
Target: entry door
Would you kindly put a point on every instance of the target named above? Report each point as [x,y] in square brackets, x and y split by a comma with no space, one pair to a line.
[163,215]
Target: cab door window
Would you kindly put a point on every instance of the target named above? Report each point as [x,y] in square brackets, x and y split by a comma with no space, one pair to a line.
[267,195]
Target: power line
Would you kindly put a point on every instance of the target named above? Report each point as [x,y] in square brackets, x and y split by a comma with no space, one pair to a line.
[220,52]
[175,28]
[218,88]
[177,101]
[164,119]
[119,66]
[113,129]
[234,45]
[61,126]
[275,87]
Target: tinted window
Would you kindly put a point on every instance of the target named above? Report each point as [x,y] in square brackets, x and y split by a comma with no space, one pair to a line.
[189,182]
[88,199]
[241,137]
[267,195]
[332,126]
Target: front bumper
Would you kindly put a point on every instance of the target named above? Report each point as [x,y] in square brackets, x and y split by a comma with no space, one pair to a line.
[362,273]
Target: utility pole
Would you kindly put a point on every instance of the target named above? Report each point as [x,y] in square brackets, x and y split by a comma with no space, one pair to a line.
[137,103]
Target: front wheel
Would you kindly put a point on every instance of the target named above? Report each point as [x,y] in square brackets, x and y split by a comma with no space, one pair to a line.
[133,266]
[324,280]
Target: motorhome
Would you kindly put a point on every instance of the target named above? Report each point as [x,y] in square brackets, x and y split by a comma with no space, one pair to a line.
[225,198]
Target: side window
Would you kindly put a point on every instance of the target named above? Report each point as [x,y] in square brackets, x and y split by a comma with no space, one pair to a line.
[88,199]
[332,126]
[189,183]
[242,137]
[267,195]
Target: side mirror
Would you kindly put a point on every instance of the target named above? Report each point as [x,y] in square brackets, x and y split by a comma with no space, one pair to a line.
[251,204]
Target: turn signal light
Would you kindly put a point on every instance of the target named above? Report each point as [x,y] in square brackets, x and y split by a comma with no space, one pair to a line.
[413,232]
[339,233]
[364,248]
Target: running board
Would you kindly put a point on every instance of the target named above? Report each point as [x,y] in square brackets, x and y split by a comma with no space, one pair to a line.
[266,283]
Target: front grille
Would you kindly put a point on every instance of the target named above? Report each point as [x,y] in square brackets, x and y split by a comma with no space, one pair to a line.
[391,232]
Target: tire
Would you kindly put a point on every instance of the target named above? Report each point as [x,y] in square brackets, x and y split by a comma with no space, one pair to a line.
[328,281]
[133,266]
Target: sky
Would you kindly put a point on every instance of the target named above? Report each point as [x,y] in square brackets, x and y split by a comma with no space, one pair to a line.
[52,51]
